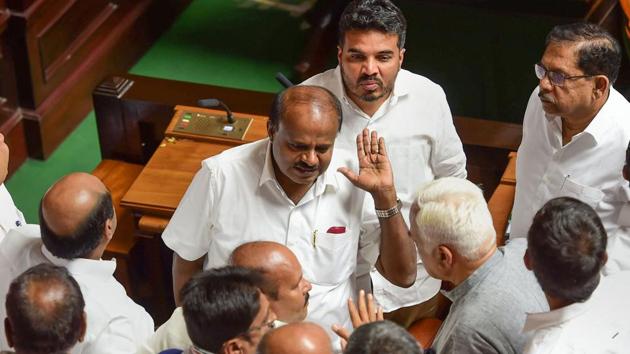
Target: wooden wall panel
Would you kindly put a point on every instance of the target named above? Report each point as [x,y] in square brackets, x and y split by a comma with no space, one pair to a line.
[63,48]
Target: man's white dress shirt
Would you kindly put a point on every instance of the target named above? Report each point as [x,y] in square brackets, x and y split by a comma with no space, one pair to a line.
[587,168]
[422,144]
[115,324]
[598,325]
[235,198]
[619,242]
[10,216]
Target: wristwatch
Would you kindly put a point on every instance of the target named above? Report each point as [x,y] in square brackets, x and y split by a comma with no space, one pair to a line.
[388,213]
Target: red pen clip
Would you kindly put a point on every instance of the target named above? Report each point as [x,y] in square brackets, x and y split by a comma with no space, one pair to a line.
[337,230]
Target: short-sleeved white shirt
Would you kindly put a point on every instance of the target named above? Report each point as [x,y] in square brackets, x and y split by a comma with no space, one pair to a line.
[115,324]
[587,168]
[235,199]
[10,216]
[598,325]
[422,144]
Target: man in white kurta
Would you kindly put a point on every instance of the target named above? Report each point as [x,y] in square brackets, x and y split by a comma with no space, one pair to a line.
[248,193]
[115,324]
[575,131]
[407,109]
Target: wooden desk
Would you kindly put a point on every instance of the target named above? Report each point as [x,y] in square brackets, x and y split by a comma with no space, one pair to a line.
[157,191]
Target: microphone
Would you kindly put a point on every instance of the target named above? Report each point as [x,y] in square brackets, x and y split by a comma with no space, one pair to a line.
[283,80]
[213,102]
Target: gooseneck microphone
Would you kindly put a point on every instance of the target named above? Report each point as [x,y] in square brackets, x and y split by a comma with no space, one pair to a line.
[283,80]
[213,102]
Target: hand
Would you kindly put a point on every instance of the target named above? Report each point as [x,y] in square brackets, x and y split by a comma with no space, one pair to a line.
[366,312]
[375,172]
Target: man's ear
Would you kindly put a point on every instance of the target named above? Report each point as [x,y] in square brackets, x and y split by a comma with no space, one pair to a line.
[446,257]
[270,131]
[110,227]
[232,346]
[601,85]
[8,332]
[339,53]
[528,260]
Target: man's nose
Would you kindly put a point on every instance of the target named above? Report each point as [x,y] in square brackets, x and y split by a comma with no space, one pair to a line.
[370,67]
[307,286]
[545,84]
[310,157]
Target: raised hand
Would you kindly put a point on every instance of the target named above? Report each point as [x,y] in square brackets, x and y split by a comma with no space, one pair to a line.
[367,312]
[375,172]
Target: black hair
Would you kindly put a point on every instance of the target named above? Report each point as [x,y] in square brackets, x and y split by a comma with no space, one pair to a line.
[55,328]
[302,94]
[567,247]
[382,337]
[87,235]
[378,15]
[598,53]
[220,304]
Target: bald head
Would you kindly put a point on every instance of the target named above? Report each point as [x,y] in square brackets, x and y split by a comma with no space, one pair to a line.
[44,311]
[75,214]
[296,338]
[283,281]
[317,98]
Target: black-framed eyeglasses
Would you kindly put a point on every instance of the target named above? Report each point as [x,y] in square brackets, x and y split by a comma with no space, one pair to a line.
[556,78]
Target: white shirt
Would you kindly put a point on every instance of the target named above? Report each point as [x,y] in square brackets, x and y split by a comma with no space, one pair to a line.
[619,242]
[10,215]
[587,168]
[235,199]
[422,144]
[115,324]
[599,325]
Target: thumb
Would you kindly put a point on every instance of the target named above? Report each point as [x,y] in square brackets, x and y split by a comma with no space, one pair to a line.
[349,174]
[341,332]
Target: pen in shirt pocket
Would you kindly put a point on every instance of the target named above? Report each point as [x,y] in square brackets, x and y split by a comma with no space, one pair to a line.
[564,181]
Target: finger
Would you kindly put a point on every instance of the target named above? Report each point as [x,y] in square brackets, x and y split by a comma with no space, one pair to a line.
[366,141]
[382,149]
[341,332]
[354,314]
[360,149]
[344,344]
[371,308]
[349,174]
[379,314]
[374,142]
[363,311]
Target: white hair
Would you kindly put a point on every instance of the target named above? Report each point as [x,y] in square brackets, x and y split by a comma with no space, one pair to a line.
[453,212]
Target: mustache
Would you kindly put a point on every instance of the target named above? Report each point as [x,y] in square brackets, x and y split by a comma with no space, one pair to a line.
[370,78]
[304,166]
[546,97]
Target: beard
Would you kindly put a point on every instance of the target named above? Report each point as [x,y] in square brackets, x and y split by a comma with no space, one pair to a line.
[356,90]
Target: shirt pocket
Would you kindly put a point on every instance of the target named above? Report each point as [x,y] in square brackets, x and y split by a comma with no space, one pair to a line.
[589,195]
[334,257]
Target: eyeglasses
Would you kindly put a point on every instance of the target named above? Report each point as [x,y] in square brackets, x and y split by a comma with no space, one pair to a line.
[556,78]
[268,325]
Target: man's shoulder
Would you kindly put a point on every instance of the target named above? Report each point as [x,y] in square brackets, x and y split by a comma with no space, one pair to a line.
[21,241]
[327,79]
[249,154]
[416,83]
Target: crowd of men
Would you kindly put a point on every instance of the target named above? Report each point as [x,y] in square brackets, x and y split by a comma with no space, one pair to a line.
[358,214]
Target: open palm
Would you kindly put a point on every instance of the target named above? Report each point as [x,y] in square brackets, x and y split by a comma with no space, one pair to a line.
[375,172]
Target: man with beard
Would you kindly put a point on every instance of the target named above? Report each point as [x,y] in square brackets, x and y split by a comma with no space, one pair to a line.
[576,128]
[408,110]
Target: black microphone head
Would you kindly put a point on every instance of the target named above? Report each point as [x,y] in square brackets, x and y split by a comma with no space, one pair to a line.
[209,102]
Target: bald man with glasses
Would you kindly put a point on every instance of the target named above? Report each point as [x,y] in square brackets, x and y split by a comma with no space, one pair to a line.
[576,128]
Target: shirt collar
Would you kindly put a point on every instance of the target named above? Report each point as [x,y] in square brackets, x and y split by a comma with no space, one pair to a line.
[99,268]
[327,179]
[598,126]
[555,317]
[475,278]
[401,88]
